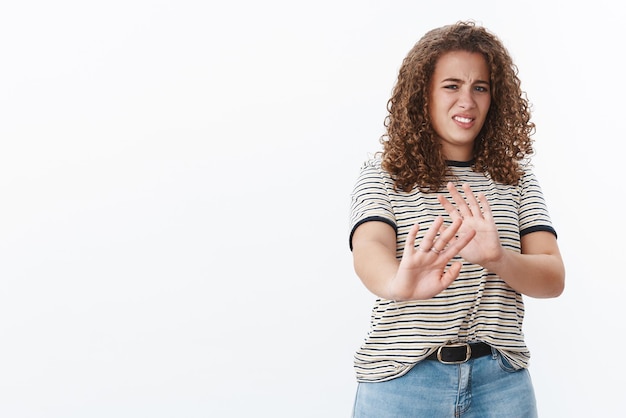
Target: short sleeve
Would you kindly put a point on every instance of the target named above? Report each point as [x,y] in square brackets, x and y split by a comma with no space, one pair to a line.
[533,212]
[370,198]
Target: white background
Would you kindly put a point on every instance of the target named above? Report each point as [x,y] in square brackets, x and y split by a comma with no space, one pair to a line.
[174,191]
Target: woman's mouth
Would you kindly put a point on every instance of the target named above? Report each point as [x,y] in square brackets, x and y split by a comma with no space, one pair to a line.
[462,119]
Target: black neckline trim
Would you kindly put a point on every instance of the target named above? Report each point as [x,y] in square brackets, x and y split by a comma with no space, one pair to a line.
[460,163]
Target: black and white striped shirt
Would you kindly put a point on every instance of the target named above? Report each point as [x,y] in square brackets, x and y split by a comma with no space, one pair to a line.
[478,305]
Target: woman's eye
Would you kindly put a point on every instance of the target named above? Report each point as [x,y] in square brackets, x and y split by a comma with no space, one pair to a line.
[451,87]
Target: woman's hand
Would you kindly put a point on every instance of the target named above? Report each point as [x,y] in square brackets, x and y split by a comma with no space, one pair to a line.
[476,216]
[421,273]
[536,271]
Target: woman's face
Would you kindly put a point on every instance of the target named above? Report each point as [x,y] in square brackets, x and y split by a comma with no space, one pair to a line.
[460,96]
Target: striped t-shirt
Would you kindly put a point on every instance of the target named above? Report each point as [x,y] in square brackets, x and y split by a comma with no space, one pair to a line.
[478,305]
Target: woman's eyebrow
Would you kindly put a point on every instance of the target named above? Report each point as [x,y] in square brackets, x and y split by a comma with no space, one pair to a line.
[458,80]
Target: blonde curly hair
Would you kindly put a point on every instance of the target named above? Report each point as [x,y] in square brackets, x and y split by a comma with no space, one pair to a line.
[411,150]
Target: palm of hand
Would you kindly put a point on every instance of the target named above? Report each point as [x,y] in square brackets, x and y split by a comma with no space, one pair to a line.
[476,215]
[486,244]
[422,274]
[419,279]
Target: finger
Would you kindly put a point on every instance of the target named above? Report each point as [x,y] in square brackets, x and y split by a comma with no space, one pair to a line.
[429,237]
[457,244]
[485,206]
[472,203]
[461,204]
[409,244]
[446,233]
[449,207]
[451,274]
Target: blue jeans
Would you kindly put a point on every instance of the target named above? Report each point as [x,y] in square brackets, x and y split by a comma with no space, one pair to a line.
[480,388]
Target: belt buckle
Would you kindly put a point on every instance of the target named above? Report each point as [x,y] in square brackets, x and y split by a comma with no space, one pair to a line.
[468,352]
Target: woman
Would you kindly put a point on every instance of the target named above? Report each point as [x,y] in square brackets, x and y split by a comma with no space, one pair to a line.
[449,229]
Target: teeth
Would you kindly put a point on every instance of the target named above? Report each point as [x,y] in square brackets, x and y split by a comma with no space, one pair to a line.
[463,120]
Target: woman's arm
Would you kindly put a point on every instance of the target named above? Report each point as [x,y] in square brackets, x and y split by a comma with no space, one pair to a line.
[420,274]
[374,256]
[537,271]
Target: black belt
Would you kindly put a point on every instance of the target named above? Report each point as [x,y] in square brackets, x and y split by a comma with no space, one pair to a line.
[456,353]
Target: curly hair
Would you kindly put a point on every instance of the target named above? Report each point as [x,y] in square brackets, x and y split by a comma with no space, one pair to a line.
[412,153]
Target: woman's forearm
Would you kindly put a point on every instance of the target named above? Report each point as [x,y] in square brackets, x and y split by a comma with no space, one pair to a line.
[537,272]
[376,265]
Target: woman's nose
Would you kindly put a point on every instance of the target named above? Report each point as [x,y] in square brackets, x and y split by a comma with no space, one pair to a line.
[466,99]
